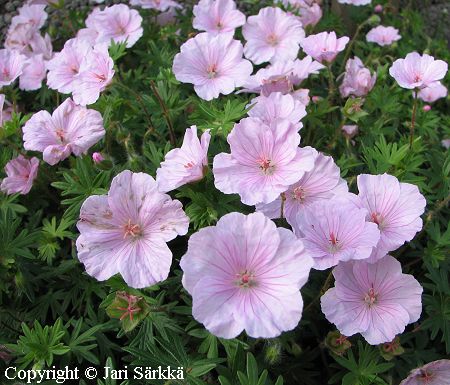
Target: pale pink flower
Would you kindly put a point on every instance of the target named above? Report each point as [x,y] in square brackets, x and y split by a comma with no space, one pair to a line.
[21,172]
[333,231]
[378,8]
[97,157]
[11,66]
[70,129]
[19,37]
[5,112]
[127,231]
[118,23]
[277,106]
[186,164]
[395,207]
[433,373]
[160,5]
[355,2]
[34,15]
[418,71]
[309,12]
[95,74]
[383,35]
[167,17]
[272,35]
[324,46]
[350,130]
[64,68]
[41,45]
[376,300]
[433,92]
[33,73]
[217,16]
[282,76]
[264,161]
[445,143]
[358,80]
[426,108]
[245,274]
[320,184]
[302,95]
[213,64]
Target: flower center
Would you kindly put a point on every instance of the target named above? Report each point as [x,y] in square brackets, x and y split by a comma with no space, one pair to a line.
[371,297]
[212,71]
[335,244]
[378,219]
[189,165]
[133,230]
[299,194]
[426,376]
[266,166]
[60,134]
[417,78]
[219,25]
[272,39]
[245,279]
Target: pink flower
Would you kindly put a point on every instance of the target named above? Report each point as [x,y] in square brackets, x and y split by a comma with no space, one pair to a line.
[5,113]
[21,172]
[310,14]
[33,73]
[127,231]
[34,15]
[41,45]
[324,46]
[95,74]
[376,300]
[357,79]
[245,274]
[433,92]
[118,23]
[186,164]
[19,37]
[378,8]
[64,68]
[160,5]
[264,161]
[97,157]
[272,35]
[395,207]
[282,76]
[70,129]
[277,106]
[333,231]
[217,16]
[213,64]
[445,143]
[11,66]
[426,108]
[320,184]
[383,35]
[433,373]
[350,130]
[416,71]
[355,2]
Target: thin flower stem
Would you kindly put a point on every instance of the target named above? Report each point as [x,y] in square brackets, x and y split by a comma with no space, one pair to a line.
[165,112]
[283,200]
[331,84]
[351,44]
[322,291]
[413,120]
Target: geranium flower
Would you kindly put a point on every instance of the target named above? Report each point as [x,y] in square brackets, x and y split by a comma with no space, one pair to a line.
[160,5]
[11,66]
[355,2]
[70,129]
[217,16]
[333,231]
[21,173]
[277,106]
[213,64]
[395,207]
[272,35]
[433,373]
[433,92]
[127,231]
[309,12]
[320,184]
[245,274]
[33,73]
[33,15]
[350,130]
[186,164]
[324,46]
[5,113]
[418,71]
[264,161]
[357,79]
[119,23]
[95,74]
[376,300]
[64,68]
[383,35]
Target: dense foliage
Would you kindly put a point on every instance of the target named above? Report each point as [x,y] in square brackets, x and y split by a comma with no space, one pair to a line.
[53,313]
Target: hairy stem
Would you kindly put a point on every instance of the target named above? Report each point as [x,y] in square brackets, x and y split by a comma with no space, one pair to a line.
[413,120]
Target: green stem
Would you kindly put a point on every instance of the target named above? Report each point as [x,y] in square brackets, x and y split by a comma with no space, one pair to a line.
[331,84]
[413,120]
[173,141]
